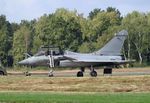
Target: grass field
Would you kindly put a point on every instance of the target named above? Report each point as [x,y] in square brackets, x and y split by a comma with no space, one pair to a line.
[74,84]
[43,97]
[106,89]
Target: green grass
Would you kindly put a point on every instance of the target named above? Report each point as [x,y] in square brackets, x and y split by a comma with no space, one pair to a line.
[48,97]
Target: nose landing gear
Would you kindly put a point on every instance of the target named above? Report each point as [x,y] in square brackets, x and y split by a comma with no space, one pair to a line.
[51,65]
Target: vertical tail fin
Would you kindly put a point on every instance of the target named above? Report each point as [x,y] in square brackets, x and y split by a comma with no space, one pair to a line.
[114,46]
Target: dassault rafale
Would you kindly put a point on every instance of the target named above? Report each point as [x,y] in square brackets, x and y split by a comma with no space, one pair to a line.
[108,56]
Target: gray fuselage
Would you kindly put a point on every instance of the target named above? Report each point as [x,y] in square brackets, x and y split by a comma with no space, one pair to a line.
[82,60]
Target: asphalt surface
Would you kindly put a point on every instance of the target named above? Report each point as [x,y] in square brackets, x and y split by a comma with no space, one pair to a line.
[72,73]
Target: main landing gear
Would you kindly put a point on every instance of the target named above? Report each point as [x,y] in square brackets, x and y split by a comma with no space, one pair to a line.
[93,73]
[80,73]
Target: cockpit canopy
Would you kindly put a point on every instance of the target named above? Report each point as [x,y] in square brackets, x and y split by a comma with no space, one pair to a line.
[49,50]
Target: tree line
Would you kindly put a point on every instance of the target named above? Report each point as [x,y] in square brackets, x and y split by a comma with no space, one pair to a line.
[71,30]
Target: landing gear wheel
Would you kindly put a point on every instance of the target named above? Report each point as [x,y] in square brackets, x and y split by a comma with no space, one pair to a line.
[27,73]
[93,73]
[80,74]
[50,75]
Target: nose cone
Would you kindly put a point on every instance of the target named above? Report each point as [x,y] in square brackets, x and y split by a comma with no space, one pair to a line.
[23,62]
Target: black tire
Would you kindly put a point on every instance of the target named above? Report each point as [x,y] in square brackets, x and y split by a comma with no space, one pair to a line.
[50,75]
[80,74]
[27,74]
[93,73]
[1,73]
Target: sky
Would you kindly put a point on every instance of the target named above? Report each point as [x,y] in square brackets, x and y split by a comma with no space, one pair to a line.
[17,10]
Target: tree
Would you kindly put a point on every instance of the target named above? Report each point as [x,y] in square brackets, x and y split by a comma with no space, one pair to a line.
[111,9]
[21,43]
[72,31]
[5,40]
[102,22]
[137,25]
[60,30]
[94,13]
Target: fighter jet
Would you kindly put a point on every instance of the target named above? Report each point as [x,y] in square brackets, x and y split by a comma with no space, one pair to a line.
[109,55]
